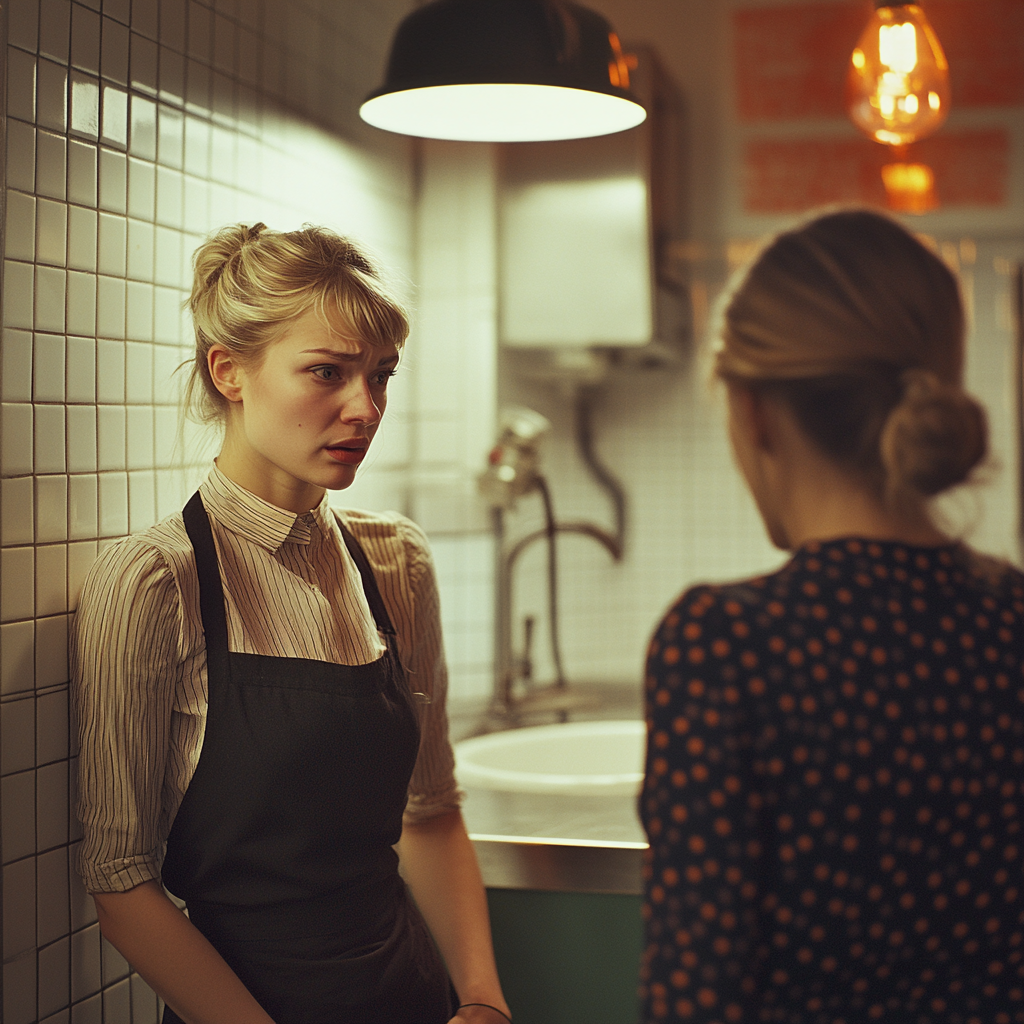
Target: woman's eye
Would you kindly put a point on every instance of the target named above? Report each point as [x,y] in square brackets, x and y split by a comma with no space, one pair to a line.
[326,372]
[382,377]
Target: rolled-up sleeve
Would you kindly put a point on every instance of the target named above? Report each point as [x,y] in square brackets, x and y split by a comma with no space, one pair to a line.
[433,789]
[125,654]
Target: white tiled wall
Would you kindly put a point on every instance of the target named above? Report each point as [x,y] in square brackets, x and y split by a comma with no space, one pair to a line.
[135,127]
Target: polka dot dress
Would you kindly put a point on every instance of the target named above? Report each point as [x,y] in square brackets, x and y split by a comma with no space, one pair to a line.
[835,792]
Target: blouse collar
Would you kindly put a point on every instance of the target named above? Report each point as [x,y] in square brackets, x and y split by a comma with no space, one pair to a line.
[249,516]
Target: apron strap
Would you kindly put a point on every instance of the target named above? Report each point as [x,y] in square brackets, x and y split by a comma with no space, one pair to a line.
[370,588]
[211,593]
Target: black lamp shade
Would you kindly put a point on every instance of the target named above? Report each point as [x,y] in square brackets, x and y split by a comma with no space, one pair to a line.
[449,48]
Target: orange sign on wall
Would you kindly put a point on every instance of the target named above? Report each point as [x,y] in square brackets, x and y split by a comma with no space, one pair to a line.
[791,175]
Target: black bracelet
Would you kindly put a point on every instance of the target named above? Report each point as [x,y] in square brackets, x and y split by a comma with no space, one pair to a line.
[489,1007]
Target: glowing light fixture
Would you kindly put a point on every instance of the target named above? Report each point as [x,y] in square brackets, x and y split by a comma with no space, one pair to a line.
[505,71]
[897,86]
[910,188]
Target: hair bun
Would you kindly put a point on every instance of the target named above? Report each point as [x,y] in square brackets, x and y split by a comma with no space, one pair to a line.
[934,436]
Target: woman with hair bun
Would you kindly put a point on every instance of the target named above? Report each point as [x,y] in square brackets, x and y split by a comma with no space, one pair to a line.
[259,684]
[834,788]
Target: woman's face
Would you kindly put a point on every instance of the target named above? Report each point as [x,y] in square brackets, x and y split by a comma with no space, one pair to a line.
[303,419]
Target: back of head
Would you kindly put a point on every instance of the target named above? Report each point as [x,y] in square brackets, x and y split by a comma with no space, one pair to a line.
[250,282]
[859,328]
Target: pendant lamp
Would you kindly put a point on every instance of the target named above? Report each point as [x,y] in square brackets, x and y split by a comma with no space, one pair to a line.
[505,71]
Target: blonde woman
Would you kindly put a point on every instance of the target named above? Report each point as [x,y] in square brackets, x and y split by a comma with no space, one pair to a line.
[260,686]
[835,757]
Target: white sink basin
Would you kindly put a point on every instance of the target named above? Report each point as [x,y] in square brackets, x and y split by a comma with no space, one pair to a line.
[581,758]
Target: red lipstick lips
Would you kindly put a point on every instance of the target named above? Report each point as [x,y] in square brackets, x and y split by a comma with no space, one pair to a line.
[350,452]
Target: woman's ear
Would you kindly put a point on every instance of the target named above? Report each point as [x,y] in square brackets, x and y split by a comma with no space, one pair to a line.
[225,372]
[751,417]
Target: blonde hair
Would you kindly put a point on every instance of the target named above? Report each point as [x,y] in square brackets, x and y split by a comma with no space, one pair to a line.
[859,328]
[251,282]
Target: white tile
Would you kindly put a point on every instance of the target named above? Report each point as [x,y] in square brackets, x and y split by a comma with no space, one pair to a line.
[20,239]
[167,381]
[52,723]
[144,17]
[113,181]
[222,163]
[114,966]
[17,648]
[52,651]
[17,739]
[51,96]
[115,117]
[145,1009]
[197,205]
[81,555]
[81,451]
[18,801]
[172,492]
[110,436]
[52,805]
[49,439]
[16,440]
[85,106]
[19,990]
[21,155]
[144,63]
[51,232]
[112,245]
[16,365]
[141,189]
[85,39]
[172,76]
[141,500]
[122,11]
[51,579]
[197,88]
[109,371]
[139,315]
[139,434]
[171,137]
[223,205]
[19,906]
[199,32]
[114,58]
[169,193]
[139,372]
[83,509]
[168,256]
[85,963]
[17,511]
[16,584]
[81,303]
[51,510]
[21,85]
[140,250]
[51,165]
[50,298]
[81,370]
[142,137]
[172,24]
[48,368]
[81,238]
[88,1011]
[54,978]
[110,298]
[19,289]
[81,180]
[117,1001]
[113,504]
[197,147]
[167,316]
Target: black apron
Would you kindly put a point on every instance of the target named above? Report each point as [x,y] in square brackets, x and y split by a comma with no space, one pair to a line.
[282,846]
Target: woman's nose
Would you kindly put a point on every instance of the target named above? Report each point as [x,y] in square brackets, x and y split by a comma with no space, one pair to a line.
[359,405]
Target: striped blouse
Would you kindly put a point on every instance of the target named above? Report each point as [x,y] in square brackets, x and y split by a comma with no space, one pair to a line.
[291,589]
